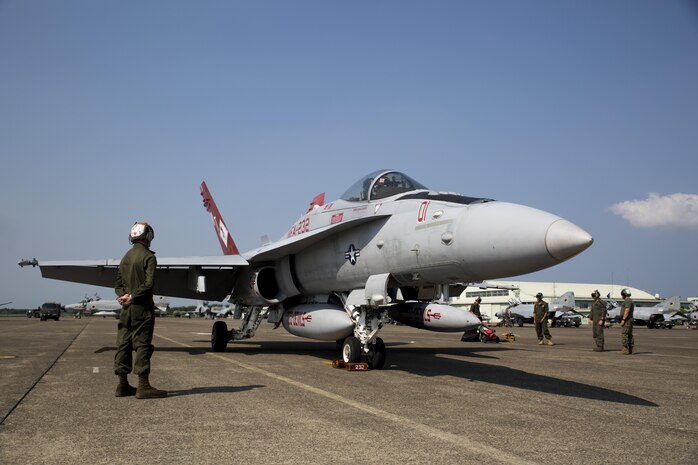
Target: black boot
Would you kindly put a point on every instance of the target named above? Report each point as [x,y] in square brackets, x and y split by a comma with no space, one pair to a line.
[146,391]
[123,389]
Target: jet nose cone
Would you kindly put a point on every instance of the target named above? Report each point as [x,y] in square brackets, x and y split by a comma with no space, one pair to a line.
[565,240]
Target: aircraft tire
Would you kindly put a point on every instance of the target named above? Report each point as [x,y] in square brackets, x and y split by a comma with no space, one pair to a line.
[376,355]
[519,322]
[219,336]
[351,350]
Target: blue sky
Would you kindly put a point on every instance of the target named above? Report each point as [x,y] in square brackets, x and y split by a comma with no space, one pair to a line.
[112,112]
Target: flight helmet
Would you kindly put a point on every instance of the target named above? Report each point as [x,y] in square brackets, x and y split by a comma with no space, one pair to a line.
[625,292]
[141,231]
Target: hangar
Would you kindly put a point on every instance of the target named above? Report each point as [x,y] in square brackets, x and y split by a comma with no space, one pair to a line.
[502,293]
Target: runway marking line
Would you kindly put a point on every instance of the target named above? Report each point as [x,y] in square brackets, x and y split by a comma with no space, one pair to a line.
[454,439]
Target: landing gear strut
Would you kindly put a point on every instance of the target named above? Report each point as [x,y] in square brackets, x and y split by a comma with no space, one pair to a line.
[364,342]
[375,356]
[220,335]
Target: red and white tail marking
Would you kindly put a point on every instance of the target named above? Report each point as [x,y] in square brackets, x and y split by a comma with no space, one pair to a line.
[318,201]
[224,237]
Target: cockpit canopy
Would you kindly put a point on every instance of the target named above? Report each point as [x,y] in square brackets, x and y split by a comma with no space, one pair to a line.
[379,185]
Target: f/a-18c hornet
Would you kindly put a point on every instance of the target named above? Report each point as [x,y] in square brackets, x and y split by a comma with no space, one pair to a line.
[389,248]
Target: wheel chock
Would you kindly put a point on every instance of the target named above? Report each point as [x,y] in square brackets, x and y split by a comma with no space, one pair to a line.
[358,366]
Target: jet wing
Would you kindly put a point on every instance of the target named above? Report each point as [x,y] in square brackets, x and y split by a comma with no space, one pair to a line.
[293,245]
[204,278]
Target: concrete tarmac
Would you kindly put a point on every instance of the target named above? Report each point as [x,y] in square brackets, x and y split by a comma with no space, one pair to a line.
[276,399]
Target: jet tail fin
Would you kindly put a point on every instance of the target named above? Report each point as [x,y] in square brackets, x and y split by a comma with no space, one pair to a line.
[673,304]
[224,237]
[565,300]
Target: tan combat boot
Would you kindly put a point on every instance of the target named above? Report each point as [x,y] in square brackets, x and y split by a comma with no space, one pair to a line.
[540,343]
[146,391]
[625,351]
[550,342]
[123,389]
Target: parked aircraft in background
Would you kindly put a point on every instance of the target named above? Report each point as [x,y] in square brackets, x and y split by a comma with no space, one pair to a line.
[519,313]
[388,248]
[655,316]
[96,306]
[693,315]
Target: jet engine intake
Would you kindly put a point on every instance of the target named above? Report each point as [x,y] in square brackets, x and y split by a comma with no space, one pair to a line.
[323,322]
[433,316]
[264,284]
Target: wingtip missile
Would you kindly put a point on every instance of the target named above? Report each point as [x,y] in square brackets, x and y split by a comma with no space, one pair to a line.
[24,262]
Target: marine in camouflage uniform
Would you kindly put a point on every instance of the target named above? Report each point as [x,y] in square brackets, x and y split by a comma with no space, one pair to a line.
[598,320]
[626,323]
[134,286]
[475,308]
[540,320]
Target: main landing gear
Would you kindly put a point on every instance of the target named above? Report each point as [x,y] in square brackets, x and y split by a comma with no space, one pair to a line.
[364,342]
[220,335]
[375,355]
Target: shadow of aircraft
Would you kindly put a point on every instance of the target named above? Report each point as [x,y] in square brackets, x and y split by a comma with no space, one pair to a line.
[429,362]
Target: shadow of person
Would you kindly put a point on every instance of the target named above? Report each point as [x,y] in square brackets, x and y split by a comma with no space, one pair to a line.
[213,390]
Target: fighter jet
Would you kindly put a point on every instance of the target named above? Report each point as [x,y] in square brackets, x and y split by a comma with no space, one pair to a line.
[655,316]
[520,313]
[97,306]
[389,247]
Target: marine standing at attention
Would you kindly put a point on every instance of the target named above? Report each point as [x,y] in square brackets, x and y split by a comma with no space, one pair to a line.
[598,320]
[626,322]
[540,320]
[134,286]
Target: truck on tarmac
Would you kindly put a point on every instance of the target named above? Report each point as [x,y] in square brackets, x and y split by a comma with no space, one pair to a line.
[50,311]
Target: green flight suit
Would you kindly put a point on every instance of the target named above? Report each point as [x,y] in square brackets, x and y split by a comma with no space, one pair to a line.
[598,314]
[475,309]
[540,320]
[627,332]
[135,330]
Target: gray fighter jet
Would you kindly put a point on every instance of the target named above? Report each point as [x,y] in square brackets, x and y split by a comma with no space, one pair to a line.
[389,248]
[519,313]
[655,316]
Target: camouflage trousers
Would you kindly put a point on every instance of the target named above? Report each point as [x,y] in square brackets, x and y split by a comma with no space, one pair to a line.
[542,330]
[626,335]
[135,334]
[597,331]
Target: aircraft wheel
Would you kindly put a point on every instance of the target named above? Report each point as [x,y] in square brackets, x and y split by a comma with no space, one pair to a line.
[376,354]
[519,322]
[351,350]
[219,336]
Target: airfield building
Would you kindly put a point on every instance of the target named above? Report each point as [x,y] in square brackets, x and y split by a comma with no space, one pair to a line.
[495,299]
